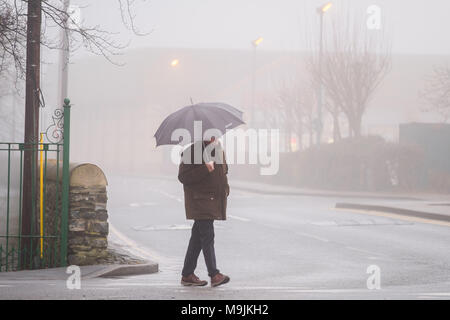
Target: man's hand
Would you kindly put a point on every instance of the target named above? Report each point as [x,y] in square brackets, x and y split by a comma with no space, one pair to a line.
[210,166]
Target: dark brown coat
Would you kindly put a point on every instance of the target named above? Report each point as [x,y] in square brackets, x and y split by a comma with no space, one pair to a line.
[205,193]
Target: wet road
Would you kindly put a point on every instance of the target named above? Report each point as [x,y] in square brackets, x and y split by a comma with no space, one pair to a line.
[281,246]
[273,247]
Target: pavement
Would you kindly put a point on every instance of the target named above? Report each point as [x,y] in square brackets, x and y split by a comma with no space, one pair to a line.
[425,205]
[290,190]
[273,245]
[91,271]
[86,272]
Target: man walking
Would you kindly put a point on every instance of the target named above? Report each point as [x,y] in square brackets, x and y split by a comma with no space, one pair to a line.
[206,190]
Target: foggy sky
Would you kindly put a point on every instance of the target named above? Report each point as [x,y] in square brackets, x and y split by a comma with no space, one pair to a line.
[415,26]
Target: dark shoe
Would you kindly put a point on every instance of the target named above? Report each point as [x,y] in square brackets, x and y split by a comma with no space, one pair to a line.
[219,279]
[193,280]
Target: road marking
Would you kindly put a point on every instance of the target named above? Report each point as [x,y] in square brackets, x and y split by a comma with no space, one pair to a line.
[436,294]
[308,235]
[139,284]
[239,218]
[324,223]
[288,289]
[171,196]
[163,227]
[230,287]
[144,204]
[366,252]
[395,216]
[328,291]
[136,249]
[312,236]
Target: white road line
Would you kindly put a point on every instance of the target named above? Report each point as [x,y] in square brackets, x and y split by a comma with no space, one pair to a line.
[328,290]
[133,284]
[364,251]
[239,218]
[171,196]
[312,236]
[324,223]
[144,204]
[230,287]
[289,289]
[436,294]
[308,235]
[163,227]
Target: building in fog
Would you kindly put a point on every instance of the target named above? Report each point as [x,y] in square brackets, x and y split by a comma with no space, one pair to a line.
[117,109]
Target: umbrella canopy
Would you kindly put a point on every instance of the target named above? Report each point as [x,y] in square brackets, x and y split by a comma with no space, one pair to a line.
[214,115]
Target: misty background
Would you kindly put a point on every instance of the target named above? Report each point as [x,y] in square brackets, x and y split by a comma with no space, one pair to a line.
[118,106]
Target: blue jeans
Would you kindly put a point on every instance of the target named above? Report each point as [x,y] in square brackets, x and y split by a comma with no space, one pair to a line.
[202,239]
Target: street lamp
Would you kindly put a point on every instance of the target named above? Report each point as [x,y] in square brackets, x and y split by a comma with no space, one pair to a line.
[321,11]
[257,41]
[255,44]
[325,7]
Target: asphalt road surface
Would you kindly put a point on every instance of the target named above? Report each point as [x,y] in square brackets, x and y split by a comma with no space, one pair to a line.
[283,247]
[272,247]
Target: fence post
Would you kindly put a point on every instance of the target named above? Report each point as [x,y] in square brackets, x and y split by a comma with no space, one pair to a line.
[65,184]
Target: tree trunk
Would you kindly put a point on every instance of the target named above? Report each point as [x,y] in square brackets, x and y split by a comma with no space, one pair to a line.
[336,128]
[33,62]
[354,123]
[357,126]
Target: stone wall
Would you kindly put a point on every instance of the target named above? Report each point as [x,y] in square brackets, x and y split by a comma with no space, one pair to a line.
[88,215]
[88,225]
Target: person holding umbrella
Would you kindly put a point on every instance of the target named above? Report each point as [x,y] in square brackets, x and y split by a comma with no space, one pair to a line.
[204,182]
[205,192]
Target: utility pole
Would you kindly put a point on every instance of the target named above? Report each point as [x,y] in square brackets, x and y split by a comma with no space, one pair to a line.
[255,44]
[319,124]
[32,98]
[320,94]
[64,59]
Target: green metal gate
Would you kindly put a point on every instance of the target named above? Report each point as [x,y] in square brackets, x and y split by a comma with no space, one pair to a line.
[44,245]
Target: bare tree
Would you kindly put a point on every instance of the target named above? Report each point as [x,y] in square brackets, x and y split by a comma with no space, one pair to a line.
[436,94]
[12,36]
[354,63]
[13,31]
[297,102]
[335,111]
[291,107]
[21,25]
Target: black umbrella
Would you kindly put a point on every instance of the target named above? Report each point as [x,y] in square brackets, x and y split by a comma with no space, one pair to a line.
[215,115]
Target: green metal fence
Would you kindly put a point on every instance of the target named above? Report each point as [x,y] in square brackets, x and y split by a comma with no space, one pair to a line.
[45,244]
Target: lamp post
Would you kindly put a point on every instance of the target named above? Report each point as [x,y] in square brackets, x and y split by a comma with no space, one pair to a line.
[321,11]
[255,44]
